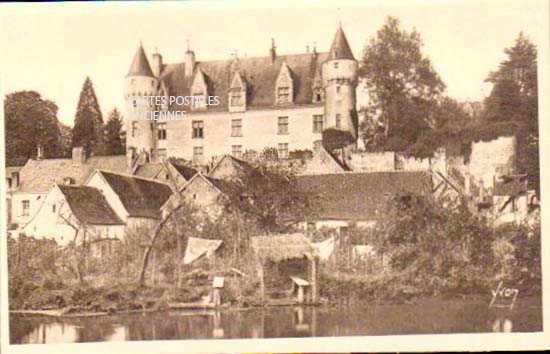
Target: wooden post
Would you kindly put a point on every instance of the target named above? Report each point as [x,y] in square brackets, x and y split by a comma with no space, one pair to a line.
[300,294]
[262,285]
[313,280]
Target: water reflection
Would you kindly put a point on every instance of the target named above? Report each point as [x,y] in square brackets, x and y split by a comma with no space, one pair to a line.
[431,316]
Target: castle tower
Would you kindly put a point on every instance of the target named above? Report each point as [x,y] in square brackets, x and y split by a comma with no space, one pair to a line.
[139,82]
[339,74]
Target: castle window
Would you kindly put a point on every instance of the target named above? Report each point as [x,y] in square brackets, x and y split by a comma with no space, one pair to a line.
[282,151]
[134,128]
[237,150]
[198,154]
[236,127]
[337,89]
[282,125]
[335,65]
[53,208]
[26,205]
[198,129]
[198,101]
[317,123]
[283,94]
[338,120]
[161,131]
[162,154]
[236,97]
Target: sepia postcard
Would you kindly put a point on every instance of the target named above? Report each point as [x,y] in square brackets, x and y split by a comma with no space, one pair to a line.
[306,176]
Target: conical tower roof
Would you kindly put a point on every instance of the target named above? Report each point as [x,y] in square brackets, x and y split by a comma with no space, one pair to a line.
[340,47]
[140,65]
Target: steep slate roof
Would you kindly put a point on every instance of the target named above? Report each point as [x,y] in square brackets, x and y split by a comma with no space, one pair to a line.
[140,65]
[141,197]
[259,73]
[89,206]
[37,176]
[340,47]
[361,196]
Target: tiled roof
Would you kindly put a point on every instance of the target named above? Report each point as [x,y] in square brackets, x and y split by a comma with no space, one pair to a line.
[140,65]
[226,187]
[38,176]
[340,47]
[259,73]
[149,170]
[360,196]
[141,197]
[185,171]
[89,206]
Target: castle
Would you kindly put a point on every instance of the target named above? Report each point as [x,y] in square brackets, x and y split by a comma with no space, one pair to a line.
[284,102]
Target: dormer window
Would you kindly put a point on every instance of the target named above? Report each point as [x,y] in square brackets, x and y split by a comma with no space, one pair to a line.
[199,91]
[237,94]
[284,89]
[283,94]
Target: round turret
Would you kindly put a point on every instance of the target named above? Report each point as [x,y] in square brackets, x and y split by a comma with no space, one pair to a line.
[139,84]
[339,74]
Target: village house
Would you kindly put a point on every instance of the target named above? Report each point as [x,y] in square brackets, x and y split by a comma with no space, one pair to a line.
[342,199]
[12,184]
[137,201]
[207,193]
[70,213]
[175,175]
[35,179]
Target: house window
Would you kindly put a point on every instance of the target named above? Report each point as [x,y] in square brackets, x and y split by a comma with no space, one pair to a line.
[26,207]
[53,208]
[134,128]
[317,123]
[161,131]
[283,125]
[198,129]
[198,153]
[338,120]
[237,150]
[282,151]
[236,97]
[283,94]
[236,127]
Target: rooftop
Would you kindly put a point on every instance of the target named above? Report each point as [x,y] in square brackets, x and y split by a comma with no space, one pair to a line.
[89,206]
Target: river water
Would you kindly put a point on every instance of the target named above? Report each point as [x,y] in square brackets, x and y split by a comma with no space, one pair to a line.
[424,317]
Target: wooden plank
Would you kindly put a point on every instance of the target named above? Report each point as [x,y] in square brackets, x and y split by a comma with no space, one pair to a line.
[299,281]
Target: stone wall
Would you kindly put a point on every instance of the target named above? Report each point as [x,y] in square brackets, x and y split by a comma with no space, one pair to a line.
[492,157]
[372,161]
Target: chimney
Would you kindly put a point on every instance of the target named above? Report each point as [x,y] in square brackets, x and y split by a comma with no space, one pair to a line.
[272,52]
[307,48]
[157,64]
[15,180]
[189,61]
[79,155]
[39,152]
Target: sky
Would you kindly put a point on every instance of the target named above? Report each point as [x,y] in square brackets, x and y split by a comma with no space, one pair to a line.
[52,47]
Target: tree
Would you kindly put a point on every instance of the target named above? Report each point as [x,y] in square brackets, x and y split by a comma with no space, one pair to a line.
[269,194]
[88,122]
[514,99]
[113,142]
[403,87]
[30,121]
